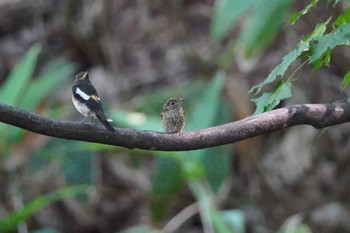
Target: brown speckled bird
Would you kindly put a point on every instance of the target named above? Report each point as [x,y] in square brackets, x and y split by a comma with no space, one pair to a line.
[173,116]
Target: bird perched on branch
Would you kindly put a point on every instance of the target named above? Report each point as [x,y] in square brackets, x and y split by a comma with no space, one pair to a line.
[173,116]
[87,101]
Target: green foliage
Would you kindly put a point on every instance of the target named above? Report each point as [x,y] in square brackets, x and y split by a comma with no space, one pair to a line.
[166,183]
[18,79]
[295,16]
[226,13]
[316,48]
[263,19]
[73,157]
[27,92]
[263,24]
[19,90]
[302,48]
[343,18]
[322,43]
[269,100]
[10,222]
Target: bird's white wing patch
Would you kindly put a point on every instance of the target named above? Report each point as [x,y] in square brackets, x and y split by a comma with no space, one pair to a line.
[82,94]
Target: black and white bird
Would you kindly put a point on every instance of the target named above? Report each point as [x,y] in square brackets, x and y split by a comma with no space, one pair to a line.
[87,101]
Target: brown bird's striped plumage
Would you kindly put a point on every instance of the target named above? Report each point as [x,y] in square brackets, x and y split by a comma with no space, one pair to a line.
[173,116]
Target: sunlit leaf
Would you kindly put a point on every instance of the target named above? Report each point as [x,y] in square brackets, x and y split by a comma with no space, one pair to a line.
[343,18]
[295,16]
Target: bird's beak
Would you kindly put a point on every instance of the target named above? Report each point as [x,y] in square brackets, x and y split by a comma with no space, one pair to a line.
[85,75]
[181,100]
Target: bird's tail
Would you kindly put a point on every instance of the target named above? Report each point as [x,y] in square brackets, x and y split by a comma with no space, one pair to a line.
[105,121]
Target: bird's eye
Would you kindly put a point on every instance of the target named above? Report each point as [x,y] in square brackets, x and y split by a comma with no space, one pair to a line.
[172,103]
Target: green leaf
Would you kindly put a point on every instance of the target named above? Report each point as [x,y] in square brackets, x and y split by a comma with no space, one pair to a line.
[205,115]
[283,66]
[217,160]
[324,60]
[343,18]
[166,183]
[226,13]
[205,112]
[212,163]
[14,86]
[75,160]
[269,100]
[303,12]
[263,20]
[346,81]
[52,77]
[319,30]
[303,47]
[340,36]
[18,79]
[261,26]
[47,82]
[10,223]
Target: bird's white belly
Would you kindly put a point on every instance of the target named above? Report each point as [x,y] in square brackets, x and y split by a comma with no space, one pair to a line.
[82,108]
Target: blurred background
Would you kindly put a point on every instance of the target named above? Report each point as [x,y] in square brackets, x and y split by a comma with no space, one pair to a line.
[140,53]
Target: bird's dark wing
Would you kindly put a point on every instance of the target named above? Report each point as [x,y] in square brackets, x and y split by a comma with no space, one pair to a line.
[87,94]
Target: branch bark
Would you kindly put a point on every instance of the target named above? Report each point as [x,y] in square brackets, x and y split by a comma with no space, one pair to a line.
[316,115]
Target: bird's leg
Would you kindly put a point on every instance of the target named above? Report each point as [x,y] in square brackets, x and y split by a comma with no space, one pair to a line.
[90,119]
[86,120]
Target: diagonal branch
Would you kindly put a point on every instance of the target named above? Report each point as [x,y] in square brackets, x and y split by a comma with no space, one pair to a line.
[316,115]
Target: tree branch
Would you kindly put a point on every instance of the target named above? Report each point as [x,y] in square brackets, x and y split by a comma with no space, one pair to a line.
[316,115]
